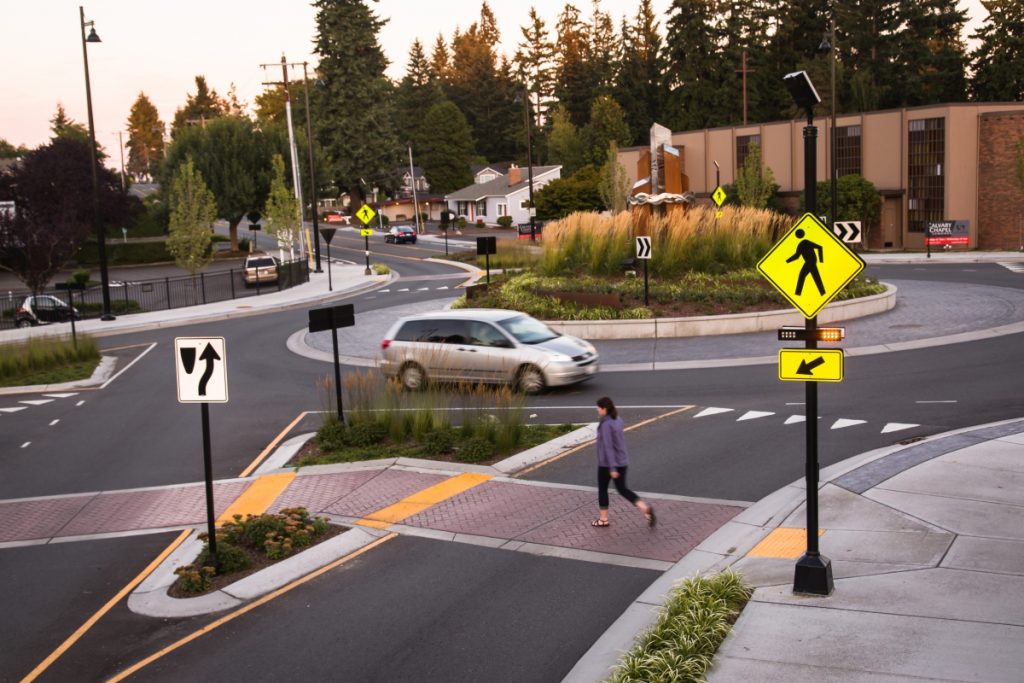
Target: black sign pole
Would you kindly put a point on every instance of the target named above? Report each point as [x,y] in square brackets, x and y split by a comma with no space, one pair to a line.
[487,262]
[211,531]
[928,240]
[645,281]
[367,239]
[337,366]
[813,573]
[330,282]
[446,240]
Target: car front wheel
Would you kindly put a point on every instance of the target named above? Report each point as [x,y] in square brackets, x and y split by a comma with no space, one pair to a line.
[531,380]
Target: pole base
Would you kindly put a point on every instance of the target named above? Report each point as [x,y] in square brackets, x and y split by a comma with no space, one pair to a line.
[108,317]
[367,272]
[813,575]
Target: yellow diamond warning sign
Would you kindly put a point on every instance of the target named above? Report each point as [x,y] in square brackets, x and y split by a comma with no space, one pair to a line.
[719,196]
[366,214]
[810,265]
[811,365]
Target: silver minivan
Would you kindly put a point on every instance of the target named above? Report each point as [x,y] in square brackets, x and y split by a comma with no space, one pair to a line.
[484,345]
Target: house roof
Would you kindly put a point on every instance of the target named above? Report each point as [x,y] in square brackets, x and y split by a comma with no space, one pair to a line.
[499,187]
[498,167]
[417,171]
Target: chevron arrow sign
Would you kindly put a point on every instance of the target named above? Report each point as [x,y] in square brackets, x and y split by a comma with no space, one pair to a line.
[847,231]
[643,247]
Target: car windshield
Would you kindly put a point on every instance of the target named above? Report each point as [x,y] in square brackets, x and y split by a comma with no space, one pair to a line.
[527,330]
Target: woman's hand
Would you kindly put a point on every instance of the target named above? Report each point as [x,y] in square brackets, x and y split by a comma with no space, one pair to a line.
[615,474]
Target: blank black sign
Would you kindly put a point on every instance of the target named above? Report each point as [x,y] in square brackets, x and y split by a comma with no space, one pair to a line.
[322,319]
[486,245]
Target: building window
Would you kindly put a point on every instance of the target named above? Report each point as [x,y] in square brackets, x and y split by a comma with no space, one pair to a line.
[481,208]
[743,143]
[524,203]
[502,209]
[847,150]
[462,208]
[926,183]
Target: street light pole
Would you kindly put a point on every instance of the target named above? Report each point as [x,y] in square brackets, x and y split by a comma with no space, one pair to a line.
[828,44]
[415,202]
[529,160]
[101,242]
[312,172]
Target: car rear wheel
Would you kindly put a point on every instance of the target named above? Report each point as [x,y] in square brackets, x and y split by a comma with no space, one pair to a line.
[530,380]
[22,323]
[413,377]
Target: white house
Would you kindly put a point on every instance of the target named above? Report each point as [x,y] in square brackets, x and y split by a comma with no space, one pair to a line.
[505,195]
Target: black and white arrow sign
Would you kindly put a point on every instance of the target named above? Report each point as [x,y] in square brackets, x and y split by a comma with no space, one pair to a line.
[847,231]
[201,369]
[643,247]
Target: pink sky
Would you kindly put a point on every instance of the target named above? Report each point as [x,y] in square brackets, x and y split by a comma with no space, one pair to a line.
[158,48]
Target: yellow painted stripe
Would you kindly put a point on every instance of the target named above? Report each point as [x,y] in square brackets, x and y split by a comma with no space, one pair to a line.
[421,500]
[583,445]
[243,610]
[258,497]
[271,446]
[783,543]
[73,638]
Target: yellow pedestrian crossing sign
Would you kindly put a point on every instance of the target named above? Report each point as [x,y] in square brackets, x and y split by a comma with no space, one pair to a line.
[811,365]
[810,265]
[719,196]
[366,214]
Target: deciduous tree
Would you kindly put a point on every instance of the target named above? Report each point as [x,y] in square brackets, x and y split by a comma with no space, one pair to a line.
[282,209]
[193,210]
[564,144]
[614,184]
[607,124]
[755,183]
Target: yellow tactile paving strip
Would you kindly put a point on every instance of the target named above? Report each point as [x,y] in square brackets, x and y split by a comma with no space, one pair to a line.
[258,497]
[783,543]
[421,500]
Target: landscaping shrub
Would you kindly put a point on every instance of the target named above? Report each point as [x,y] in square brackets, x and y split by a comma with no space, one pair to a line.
[332,434]
[475,449]
[43,353]
[194,578]
[505,221]
[230,557]
[278,535]
[365,433]
[439,442]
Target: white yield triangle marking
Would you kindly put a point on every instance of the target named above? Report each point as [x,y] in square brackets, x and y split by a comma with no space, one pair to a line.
[713,411]
[423,289]
[404,290]
[11,410]
[61,395]
[445,287]
[38,401]
[897,426]
[383,290]
[842,422]
[753,415]
[793,419]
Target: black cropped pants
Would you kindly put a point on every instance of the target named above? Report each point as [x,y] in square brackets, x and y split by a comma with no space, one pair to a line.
[604,475]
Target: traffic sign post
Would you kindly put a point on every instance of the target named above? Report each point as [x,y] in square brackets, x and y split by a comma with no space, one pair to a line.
[328,235]
[366,214]
[80,286]
[204,387]
[321,319]
[643,252]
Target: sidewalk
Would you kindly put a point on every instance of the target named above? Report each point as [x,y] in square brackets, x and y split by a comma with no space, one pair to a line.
[927,551]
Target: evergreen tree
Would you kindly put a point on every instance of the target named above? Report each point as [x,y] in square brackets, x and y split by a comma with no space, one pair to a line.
[604,50]
[932,56]
[145,139]
[483,90]
[282,209]
[9,151]
[871,37]
[447,148]
[193,211]
[639,89]
[563,141]
[793,46]
[354,121]
[576,81]
[534,65]
[64,127]
[415,95]
[199,109]
[607,125]
[694,73]
[440,60]
[998,60]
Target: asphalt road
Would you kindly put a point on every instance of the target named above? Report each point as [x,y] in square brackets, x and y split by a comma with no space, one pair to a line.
[412,608]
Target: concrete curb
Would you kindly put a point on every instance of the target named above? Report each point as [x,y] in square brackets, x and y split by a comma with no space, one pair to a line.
[714,325]
[150,598]
[717,552]
[101,374]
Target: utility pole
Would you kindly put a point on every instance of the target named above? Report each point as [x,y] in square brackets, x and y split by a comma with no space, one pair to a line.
[120,147]
[312,176]
[415,202]
[292,149]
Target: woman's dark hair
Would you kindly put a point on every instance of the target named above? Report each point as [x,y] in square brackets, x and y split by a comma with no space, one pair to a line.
[608,405]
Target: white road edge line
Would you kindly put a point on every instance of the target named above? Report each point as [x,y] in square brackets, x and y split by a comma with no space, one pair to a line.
[934,401]
[137,359]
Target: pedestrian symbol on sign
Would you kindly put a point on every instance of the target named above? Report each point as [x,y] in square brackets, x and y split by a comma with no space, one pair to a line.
[812,254]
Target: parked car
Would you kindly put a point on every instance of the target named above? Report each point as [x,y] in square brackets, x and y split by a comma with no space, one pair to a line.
[484,345]
[400,234]
[41,309]
[260,268]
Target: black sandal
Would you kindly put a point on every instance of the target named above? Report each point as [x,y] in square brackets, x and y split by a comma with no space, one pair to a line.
[651,519]
[600,522]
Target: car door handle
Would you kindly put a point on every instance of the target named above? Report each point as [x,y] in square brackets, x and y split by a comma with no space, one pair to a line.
[470,350]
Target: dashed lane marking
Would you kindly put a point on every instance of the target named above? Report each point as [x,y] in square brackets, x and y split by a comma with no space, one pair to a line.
[53,422]
[79,403]
[26,444]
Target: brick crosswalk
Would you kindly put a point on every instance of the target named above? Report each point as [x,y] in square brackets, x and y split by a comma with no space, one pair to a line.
[503,509]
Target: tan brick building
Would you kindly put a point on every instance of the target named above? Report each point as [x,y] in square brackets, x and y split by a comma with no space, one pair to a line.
[941,162]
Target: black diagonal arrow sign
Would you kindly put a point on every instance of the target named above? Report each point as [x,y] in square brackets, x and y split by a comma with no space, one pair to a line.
[210,355]
[808,368]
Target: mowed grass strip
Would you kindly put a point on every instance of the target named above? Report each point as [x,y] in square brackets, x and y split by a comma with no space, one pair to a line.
[47,361]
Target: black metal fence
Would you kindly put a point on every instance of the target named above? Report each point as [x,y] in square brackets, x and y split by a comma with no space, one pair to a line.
[163,293]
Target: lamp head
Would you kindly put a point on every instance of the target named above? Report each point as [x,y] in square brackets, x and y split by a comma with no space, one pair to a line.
[801,89]
[93,38]
[824,47]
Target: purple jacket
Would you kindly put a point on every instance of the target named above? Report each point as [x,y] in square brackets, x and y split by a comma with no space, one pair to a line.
[611,443]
